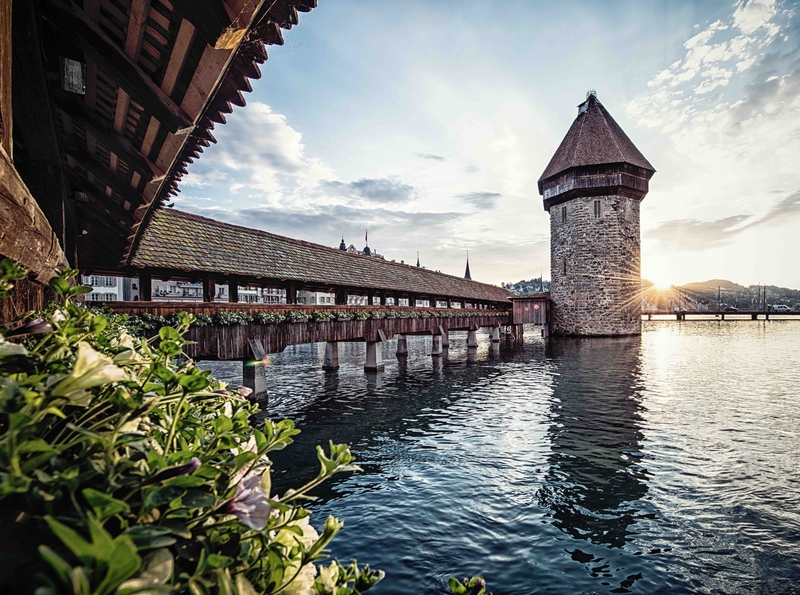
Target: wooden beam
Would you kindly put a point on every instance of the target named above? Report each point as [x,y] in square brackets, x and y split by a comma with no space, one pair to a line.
[180,49]
[101,172]
[25,234]
[209,289]
[233,289]
[137,24]
[209,18]
[145,286]
[114,142]
[116,64]
[6,118]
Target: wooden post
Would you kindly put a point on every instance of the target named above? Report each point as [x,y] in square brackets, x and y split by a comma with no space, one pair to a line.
[233,290]
[374,356]
[436,346]
[383,297]
[331,356]
[254,374]
[445,337]
[209,288]
[370,296]
[291,292]
[6,119]
[145,287]
[472,339]
[402,346]
[495,334]
[341,296]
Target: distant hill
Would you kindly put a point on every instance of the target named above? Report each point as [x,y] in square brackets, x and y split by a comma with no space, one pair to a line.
[525,287]
[728,292]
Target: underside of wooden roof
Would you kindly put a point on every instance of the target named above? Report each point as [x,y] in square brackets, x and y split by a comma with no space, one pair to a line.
[113,99]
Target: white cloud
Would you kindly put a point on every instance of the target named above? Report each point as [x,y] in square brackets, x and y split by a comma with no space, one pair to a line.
[751,15]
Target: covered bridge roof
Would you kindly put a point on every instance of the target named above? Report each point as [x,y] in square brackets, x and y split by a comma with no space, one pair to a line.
[114,98]
[185,242]
[593,139]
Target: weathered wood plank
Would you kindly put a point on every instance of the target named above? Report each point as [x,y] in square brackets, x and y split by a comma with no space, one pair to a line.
[25,234]
[6,118]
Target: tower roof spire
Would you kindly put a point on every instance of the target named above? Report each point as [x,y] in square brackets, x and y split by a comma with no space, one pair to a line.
[594,139]
[466,273]
[417,258]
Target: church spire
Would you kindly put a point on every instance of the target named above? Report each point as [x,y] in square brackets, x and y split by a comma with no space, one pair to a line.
[343,246]
[417,258]
[466,273]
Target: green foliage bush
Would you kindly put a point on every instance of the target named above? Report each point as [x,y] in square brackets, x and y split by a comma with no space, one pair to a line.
[320,316]
[360,315]
[298,316]
[269,317]
[123,471]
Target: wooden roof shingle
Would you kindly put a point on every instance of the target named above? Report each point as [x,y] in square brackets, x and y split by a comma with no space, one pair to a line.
[594,139]
[190,243]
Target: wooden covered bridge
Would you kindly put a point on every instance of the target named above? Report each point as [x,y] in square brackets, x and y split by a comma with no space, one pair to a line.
[104,104]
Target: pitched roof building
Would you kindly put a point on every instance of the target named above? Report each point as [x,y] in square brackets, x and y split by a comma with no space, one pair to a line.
[193,245]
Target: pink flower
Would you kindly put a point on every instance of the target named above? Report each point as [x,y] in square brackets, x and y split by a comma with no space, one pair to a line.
[249,503]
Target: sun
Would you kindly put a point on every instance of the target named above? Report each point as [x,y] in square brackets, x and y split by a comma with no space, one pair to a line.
[661,283]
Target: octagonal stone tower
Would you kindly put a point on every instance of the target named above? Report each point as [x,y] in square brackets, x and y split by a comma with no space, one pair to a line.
[592,188]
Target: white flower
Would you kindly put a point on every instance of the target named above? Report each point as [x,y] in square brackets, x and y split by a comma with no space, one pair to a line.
[329,575]
[92,368]
[249,504]
[303,583]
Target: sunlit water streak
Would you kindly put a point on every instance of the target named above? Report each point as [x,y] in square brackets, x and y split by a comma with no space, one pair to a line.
[661,464]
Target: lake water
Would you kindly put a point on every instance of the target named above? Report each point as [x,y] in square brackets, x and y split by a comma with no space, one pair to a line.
[666,463]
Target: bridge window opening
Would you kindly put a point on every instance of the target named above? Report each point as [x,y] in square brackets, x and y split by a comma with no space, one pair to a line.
[389,301]
[597,209]
[441,304]
[402,302]
[563,214]
[455,305]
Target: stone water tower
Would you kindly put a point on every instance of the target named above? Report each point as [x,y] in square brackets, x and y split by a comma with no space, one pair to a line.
[592,188]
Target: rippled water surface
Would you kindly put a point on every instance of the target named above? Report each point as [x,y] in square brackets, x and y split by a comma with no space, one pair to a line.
[666,463]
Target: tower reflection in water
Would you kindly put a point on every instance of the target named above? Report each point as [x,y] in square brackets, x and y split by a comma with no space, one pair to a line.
[595,473]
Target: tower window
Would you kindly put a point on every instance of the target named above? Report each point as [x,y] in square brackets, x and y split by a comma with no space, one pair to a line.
[597,209]
[563,266]
[563,214]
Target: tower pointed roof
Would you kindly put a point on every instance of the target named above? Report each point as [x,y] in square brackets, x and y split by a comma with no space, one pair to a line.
[466,273]
[594,139]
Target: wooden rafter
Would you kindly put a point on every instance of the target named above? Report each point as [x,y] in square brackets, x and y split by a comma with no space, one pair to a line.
[115,142]
[209,18]
[113,60]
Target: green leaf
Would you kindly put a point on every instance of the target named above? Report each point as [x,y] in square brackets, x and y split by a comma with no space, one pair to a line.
[72,539]
[104,506]
[98,323]
[167,333]
[222,424]
[456,588]
[163,373]
[123,562]
[218,560]
[169,348]
[57,563]
[157,570]
[35,445]
[193,383]
[80,289]
[59,286]
[198,499]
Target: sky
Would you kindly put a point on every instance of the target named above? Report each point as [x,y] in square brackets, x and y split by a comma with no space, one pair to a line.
[428,123]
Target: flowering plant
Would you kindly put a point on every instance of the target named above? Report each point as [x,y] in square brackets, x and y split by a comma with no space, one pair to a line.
[126,469]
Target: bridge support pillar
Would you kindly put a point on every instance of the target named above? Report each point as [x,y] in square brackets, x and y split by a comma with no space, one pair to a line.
[402,346]
[436,346]
[445,337]
[374,356]
[518,333]
[331,356]
[495,333]
[254,375]
[754,317]
[472,338]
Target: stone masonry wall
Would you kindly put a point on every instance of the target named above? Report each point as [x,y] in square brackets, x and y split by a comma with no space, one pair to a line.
[599,291]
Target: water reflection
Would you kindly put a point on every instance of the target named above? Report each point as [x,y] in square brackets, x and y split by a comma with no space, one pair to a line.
[595,435]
